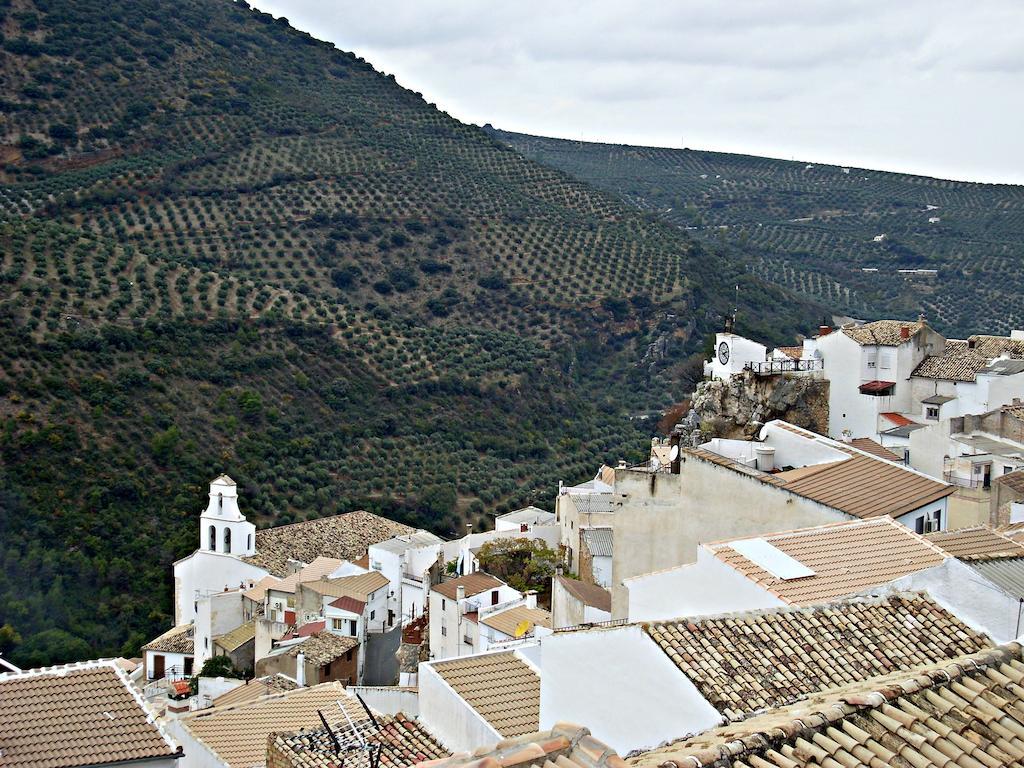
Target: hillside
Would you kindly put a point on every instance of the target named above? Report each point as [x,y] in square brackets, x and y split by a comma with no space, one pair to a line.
[229,247]
[812,228]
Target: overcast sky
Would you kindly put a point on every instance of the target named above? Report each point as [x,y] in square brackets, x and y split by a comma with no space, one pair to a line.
[928,86]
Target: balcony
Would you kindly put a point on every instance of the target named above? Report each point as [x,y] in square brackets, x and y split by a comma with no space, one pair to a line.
[775,367]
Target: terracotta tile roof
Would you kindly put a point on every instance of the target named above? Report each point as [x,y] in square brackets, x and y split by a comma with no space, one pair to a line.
[177,639]
[846,558]
[306,630]
[475,583]
[501,687]
[588,594]
[978,542]
[349,604]
[318,569]
[322,648]
[967,711]
[794,352]
[993,346]
[359,586]
[744,662]
[345,537]
[564,746]
[957,363]
[868,445]
[508,621]
[237,637]
[864,486]
[258,592]
[1013,480]
[403,743]
[238,734]
[897,418]
[886,333]
[254,689]
[76,715]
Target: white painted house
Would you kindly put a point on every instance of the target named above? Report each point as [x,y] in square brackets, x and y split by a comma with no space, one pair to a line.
[408,562]
[455,609]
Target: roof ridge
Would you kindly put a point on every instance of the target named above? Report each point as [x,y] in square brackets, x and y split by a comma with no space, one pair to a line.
[860,599]
[63,669]
[268,699]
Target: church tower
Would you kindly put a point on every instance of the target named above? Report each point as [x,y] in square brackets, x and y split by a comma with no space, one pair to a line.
[222,527]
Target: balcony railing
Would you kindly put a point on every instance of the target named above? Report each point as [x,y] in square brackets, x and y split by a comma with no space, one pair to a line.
[410,576]
[772,367]
[966,482]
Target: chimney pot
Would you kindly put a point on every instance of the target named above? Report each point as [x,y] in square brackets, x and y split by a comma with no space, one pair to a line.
[904,331]
[460,593]
[531,598]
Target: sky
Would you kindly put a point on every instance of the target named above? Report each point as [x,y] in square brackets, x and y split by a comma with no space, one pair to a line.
[923,86]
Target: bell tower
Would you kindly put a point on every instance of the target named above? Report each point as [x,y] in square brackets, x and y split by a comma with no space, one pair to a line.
[222,526]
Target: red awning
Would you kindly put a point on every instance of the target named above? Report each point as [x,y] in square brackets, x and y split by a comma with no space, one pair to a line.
[897,418]
[873,387]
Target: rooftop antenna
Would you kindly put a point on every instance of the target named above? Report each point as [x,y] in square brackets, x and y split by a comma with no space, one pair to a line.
[334,739]
[369,712]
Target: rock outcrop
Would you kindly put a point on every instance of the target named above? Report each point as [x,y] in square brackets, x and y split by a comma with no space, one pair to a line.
[737,408]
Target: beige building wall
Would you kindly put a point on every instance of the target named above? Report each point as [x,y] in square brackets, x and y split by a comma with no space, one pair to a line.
[969,507]
[662,518]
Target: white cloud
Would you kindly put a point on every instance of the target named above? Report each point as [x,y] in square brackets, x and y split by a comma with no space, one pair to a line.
[928,86]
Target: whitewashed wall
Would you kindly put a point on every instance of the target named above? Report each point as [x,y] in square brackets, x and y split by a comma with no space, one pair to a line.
[622,685]
[447,716]
[707,586]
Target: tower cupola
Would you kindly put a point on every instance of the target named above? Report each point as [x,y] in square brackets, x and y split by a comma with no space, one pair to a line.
[222,526]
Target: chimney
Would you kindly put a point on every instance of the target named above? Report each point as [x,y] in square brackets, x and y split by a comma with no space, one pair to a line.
[531,598]
[460,593]
[300,669]
[465,552]
[824,330]
[622,464]
[904,332]
[765,457]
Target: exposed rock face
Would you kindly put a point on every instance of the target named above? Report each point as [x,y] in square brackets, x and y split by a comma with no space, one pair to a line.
[737,408]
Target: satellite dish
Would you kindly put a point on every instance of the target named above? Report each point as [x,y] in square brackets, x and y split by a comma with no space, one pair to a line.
[522,628]
[674,453]
[655,464]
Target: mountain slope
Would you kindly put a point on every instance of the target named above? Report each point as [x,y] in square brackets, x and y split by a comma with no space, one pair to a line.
[812,228]
[229,247]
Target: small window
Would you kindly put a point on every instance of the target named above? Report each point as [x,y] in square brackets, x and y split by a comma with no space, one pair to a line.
[227,541]
[919,525]
[248,543]
[932,413]
[213,538]
[444,631]
[188,665]
[494,597]
[338,624]
[442,604]
[372,614]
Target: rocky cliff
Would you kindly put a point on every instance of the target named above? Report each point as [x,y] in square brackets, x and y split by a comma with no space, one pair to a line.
[737,408]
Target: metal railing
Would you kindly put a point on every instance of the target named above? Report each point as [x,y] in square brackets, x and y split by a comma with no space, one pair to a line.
[966,482]
[592,624]
[772,367]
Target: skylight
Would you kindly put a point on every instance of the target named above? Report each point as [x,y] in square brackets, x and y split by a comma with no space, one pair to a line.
[773,560]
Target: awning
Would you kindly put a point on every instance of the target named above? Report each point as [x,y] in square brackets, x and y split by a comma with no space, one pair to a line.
[876,387]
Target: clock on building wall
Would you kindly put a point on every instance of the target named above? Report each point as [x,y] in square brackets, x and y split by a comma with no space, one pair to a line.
[723,353]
